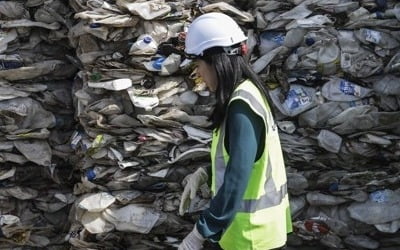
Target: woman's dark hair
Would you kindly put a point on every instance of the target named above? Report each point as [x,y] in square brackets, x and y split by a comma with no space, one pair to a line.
[231,70]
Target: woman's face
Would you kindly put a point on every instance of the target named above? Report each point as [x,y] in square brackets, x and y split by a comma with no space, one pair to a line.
[208,74]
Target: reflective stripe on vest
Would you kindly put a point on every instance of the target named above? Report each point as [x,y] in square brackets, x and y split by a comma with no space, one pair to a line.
[258,107]
[271,197]
[219,159]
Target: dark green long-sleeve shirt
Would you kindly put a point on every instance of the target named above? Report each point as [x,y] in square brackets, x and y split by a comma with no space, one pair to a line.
[245,131]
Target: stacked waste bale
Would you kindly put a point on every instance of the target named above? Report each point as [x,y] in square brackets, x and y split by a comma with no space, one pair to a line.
[337,107]
[332,68]
[143,124]
[333,71]
[36,123]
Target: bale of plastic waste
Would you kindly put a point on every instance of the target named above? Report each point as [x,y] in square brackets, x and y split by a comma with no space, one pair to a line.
[102,117]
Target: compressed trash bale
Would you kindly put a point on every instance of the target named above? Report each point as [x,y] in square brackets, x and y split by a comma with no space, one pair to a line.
[36,123]
[332,70]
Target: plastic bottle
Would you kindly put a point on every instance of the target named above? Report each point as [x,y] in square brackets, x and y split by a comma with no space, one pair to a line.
[96,172]
[299,99]
[328,58]
[387,85]
[380,196]
[155,64]
[381,207]
[348,42]
[329,141]
[116,84]
[145,45]
[338,89]
[381,39]
[395,12]
[270,40]
[90,174]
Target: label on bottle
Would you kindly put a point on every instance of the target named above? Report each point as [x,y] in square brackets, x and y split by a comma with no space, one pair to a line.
[349,88]
[379,196]
[75,139]
[296,98]
[372,36]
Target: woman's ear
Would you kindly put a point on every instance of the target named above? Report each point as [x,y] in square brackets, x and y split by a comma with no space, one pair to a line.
[244,49]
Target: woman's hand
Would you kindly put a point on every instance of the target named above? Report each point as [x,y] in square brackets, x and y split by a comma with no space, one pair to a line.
[192,183]
[193,241]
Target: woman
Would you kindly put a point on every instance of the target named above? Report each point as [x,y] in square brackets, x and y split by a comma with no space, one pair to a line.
[250,207]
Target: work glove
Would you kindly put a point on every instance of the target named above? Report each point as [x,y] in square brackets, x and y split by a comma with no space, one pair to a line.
[192,183]
[193,241]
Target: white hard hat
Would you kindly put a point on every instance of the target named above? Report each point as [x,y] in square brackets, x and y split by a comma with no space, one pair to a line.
[212,30]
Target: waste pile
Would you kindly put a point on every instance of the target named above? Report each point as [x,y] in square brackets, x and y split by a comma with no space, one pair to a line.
[143,127]
[102,118]
[36,123]
[337,106]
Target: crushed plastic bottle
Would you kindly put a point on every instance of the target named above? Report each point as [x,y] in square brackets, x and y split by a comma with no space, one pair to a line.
[145,45]
[298,99]
[342,90]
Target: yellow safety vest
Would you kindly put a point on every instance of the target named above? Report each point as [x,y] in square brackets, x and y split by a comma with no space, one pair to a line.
[263,220]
